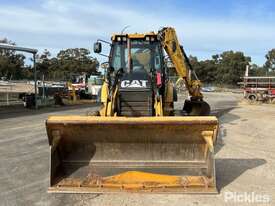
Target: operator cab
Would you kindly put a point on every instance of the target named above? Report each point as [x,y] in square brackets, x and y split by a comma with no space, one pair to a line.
[136,62]
[145,53]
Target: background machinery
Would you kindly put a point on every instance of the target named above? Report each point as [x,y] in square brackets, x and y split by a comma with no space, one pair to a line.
[135,142]
[260,89]
[85,86]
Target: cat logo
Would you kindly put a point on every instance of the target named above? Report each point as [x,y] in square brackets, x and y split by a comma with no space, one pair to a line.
[133,84]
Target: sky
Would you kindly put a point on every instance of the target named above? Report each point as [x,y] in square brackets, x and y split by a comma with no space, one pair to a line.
[204,27]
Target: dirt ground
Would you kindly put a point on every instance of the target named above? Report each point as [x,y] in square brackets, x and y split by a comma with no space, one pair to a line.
[245,159]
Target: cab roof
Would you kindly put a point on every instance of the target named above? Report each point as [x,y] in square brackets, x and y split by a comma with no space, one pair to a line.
[134,36]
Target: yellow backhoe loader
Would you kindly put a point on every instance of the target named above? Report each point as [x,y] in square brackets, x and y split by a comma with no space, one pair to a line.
[136,142]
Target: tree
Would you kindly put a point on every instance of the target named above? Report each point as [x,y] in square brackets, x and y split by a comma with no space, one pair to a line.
[43,63]
[74,60]
[66,63]
[11,64]
[231,66]
[270,60]
[225,68]
[256,70]
[205,70]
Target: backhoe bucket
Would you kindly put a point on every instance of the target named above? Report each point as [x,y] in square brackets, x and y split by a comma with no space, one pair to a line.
[137,154]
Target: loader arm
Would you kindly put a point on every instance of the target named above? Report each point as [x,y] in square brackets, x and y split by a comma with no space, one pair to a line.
[175,51]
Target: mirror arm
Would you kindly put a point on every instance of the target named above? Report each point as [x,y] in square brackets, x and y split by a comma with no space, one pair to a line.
[104,55]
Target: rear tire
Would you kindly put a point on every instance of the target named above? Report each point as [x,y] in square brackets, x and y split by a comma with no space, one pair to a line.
[252,98]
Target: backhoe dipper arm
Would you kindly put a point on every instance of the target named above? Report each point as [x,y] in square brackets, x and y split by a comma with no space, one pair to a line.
[170,43]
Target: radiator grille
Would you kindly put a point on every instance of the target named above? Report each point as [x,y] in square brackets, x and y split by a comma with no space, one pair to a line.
[136,103]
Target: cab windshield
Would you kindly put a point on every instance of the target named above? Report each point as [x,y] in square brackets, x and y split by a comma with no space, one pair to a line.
[145,55]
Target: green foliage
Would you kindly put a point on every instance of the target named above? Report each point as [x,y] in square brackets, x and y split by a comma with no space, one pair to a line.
[256,70]
[268,69]
[11,64]
[205,70]
[67,62]
[231,67]
[225,68]
[270,60]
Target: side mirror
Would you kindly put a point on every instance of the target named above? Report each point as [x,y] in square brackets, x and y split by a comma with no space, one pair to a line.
[97,47]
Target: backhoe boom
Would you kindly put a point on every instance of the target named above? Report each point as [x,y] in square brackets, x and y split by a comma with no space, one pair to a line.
[175,51]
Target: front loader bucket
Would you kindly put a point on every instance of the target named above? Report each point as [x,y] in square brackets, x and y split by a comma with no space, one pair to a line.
[137,154]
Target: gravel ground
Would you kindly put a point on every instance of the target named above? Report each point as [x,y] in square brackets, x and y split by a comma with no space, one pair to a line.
[245,159]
